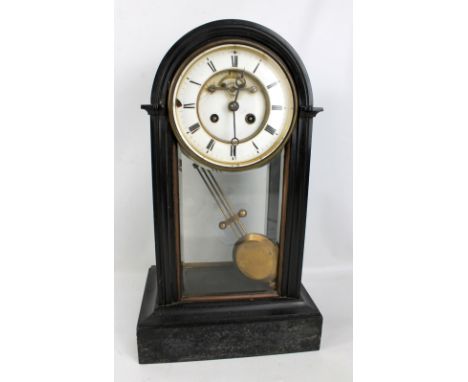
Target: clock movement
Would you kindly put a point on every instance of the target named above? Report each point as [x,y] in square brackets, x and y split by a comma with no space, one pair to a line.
[231,125]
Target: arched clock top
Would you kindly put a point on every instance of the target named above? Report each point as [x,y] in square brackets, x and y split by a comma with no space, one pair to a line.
[229,30]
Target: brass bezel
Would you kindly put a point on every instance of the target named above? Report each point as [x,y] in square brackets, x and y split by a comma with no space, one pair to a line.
[204,161]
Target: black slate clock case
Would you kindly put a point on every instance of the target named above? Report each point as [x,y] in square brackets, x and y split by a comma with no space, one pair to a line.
[171,330]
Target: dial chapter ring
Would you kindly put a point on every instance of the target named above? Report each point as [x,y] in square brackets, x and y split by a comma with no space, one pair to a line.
[225,165]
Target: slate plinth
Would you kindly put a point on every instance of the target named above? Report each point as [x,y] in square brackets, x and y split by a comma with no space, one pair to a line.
[212,330]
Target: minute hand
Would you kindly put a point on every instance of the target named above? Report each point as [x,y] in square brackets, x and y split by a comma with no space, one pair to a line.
[234,113]
[234,106]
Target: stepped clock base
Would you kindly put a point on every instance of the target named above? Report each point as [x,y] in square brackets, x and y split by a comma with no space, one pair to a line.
[213,330]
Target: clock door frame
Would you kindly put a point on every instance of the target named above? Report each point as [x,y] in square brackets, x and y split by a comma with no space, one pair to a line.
[164,159]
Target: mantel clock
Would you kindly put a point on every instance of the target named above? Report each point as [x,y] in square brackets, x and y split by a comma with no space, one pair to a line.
[231,125]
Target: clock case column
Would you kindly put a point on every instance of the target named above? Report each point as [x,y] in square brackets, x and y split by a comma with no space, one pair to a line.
[171,330]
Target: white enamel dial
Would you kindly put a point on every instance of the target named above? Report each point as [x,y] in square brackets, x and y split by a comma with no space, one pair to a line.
[232,106]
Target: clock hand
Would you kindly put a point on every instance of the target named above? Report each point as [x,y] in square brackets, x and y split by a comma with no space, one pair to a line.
[234,123]
[234,106]
[240,81]
[237,95]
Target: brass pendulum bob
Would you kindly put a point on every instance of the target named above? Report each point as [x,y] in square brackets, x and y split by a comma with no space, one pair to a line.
[254,254]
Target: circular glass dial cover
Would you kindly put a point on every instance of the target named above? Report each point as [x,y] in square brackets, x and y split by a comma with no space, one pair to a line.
[232,106]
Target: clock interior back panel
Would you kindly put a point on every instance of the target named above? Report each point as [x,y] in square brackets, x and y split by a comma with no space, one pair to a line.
[206,250]
[202,240]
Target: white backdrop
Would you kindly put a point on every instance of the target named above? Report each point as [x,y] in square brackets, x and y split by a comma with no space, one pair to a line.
[321,32]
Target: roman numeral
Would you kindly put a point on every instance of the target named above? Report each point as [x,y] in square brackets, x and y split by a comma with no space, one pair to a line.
[234,61]
[211,65]
[194,82]
[257,66]
[192,129]
[256,147]
[276,107]
[270,129]
[233,151]
[210,145]
[189,106]
[272,84]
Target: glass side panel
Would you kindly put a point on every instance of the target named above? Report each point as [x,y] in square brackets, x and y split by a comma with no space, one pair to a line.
[229,228]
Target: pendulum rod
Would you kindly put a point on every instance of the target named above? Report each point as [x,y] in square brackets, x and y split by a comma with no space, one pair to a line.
[220,199]
[226,202]
[215,197]
[221,202]
[249,245]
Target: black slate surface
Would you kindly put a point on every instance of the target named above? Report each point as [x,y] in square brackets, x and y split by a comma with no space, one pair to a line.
[200,331]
